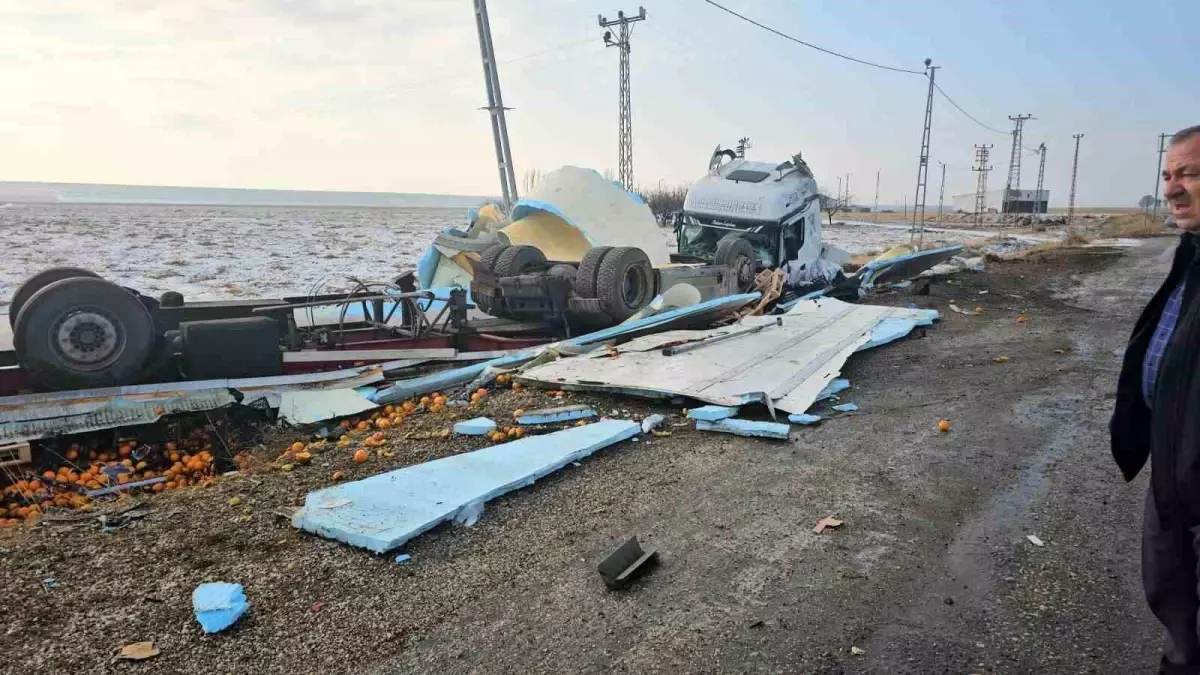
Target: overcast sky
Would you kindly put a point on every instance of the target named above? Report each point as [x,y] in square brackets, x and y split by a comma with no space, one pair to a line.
[383,95]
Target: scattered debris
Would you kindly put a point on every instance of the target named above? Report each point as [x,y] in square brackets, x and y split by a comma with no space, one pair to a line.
[479,426]
[218,605]
[652,422]
[309,407]
[858,651]
[845,407]
[960,310]
[748,428]
[834,388]
[803,418]
[1033,539]
[712,413]
[137,651]
[1000,359]
[403,558]
[383,512]
[827,523]
[50,582]
[1021,318]
[624,564]
[565,413]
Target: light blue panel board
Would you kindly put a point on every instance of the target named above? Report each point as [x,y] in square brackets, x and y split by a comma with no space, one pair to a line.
[746,428]
[217,605]
[893,328]
[712,413]
[803,418]
[474,427]
[845,407]
[552,415]
[834,387]
[383,512]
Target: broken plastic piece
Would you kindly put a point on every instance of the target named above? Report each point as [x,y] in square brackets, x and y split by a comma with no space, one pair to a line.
[1035,540]
[218,605]
[712,413]
[474,427]
[469,514]
[845,407]
[652,422]
[803,418]
[403,558]
[624,564]
[748,428]
[565,413]
[827,523]
[834,388]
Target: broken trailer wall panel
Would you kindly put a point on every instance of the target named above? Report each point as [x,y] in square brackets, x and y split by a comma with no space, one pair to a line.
[384,512]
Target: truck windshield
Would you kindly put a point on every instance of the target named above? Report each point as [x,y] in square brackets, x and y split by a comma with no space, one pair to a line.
[696,239]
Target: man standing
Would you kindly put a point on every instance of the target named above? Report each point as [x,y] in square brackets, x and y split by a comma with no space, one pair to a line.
[1157,415]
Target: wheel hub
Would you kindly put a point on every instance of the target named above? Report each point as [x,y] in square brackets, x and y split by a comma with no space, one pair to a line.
[88,337]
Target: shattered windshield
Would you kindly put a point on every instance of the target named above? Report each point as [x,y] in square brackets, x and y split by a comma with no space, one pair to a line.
[700,240]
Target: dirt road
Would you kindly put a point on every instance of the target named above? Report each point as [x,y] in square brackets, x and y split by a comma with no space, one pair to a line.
[932,571]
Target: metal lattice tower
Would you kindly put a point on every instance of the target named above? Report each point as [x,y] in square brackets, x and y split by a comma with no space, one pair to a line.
[624,26]
[1014,163]
[982,167]
[1162,147]
[942,192]
[1037,196]
[495,107]
[877,195]
[917,230]
[1074,173]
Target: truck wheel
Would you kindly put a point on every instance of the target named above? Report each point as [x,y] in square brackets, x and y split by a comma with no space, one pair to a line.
[83,332]
[625,282]
[490,254]
[733,250]
[39,281]
[515,260]
[589,268]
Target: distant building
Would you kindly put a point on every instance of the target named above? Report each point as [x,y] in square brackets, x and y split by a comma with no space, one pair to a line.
[1022,201]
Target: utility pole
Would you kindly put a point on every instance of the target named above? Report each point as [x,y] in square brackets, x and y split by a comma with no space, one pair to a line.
[1014,168]
[839,192]
[876,195]
[624,26]
[495,107]
[847,190]
[918,227]
[982,168]
[1037,195]
[1074,172]
[942,191]
[905,198]
[1162,147]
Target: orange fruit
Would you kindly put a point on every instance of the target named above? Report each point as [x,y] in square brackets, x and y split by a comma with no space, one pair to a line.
[304,457]
[360,456]
[48,475]
[170,485]
[72,454]
[174,457]
[127,463]
[362,426]
[382,423]
[439,400]
[517,386]
[339,475]
[944,425]
[141,466]
[408,406]
[425,400]
[158,487]
[297,446]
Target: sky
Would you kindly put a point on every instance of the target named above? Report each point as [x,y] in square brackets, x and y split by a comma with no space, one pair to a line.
[384,95]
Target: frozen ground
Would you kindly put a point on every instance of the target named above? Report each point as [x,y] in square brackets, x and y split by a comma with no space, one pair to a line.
[215,252]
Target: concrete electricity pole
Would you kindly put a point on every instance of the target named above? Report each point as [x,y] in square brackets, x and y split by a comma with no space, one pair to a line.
[1074,172]
[1037,195]
[876,195]
[942,191]
[918,225]
[982,167]
[1014,166]
[1162,147]
[624,26]
[495,107]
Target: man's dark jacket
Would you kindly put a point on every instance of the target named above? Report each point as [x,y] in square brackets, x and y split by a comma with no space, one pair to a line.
[1170,433]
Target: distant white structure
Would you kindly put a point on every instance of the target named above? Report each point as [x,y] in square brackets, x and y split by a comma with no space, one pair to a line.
[1023,201]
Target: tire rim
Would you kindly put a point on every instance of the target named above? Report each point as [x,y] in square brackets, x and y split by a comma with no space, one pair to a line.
[87,338]
[745,271]
[631,288]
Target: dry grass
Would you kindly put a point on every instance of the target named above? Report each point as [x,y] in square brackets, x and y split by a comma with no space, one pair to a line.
[1132,225]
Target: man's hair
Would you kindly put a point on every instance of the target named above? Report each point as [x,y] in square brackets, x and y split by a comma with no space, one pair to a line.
[1184,134]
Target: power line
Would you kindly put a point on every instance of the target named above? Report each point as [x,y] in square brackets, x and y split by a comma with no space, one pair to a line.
[809,44]
[967,114]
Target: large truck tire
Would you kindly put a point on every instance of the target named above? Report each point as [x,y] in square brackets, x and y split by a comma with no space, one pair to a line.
[490,254]
[624,282]
[39,281]
[738,254]
[589,268]
[83,332]
[515,260]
